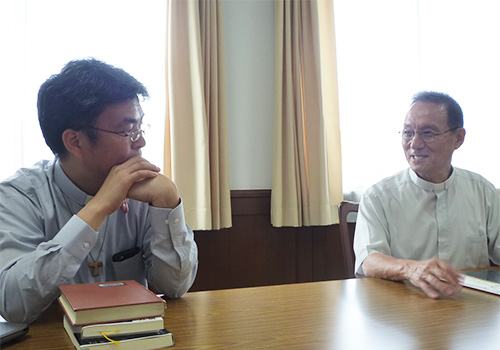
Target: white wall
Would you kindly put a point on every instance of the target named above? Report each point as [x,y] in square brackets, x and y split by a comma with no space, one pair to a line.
[249,49]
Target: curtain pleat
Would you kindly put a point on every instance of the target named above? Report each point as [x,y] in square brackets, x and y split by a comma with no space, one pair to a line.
[307,173]
[196,127]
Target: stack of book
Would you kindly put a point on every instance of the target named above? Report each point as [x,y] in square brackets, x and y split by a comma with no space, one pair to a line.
[103,315]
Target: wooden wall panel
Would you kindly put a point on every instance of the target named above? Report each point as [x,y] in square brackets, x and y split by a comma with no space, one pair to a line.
[254,253]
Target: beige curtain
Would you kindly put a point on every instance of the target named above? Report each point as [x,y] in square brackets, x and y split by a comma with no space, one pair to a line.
[307,185]
[195,127]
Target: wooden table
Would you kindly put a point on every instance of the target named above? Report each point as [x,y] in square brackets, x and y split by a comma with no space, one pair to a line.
[347,314]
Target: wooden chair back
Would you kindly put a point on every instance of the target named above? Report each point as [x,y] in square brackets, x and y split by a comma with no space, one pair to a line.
[347,235]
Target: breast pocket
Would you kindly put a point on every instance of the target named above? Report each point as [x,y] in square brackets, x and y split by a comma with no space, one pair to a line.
[130,268]
[477,252]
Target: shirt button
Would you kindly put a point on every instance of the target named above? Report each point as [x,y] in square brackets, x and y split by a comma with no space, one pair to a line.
[86,245]
[176,221]
[166,221]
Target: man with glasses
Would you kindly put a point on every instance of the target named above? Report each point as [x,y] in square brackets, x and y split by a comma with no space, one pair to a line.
[427,222]
[99,211]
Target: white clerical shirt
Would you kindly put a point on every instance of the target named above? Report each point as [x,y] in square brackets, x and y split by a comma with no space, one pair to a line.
[407,217]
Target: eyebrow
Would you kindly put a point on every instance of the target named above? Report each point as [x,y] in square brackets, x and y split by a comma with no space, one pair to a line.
[425,127]
[132,121]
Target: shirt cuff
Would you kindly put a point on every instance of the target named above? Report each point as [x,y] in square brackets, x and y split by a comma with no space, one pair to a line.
[173,220]
[77,237]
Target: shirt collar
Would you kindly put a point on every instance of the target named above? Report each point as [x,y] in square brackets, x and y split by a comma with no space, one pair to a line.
[430,186]
[68,187]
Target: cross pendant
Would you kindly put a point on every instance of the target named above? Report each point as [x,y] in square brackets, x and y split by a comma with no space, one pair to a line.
[95,265]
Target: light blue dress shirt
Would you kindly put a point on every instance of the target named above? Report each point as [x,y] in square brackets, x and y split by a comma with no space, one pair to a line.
[407,217]
[43,244]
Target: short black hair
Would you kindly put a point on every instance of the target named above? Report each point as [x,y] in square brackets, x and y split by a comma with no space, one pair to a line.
[74,98]
[455,115]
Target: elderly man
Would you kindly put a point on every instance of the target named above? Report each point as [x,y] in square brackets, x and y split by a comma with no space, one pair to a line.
[427,221]
[99,211]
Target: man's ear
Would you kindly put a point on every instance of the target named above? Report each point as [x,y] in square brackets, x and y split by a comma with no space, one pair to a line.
[460,137]
[72,141]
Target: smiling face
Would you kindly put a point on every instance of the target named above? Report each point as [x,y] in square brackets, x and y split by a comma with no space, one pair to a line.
[432,160]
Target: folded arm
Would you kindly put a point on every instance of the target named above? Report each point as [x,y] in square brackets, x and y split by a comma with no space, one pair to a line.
[171,253]
[170,250]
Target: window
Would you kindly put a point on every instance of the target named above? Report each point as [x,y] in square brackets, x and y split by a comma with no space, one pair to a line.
[388,50]
[39,37]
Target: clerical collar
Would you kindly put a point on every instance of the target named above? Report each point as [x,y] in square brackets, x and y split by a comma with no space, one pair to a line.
[430,186]
[68,187]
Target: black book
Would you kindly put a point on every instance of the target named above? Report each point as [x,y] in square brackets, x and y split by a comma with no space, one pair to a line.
[144,341]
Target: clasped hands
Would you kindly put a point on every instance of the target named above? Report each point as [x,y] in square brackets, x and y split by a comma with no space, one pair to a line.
[136,179]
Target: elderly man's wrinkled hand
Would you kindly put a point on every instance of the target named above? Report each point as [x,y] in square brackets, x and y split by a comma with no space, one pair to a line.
[434,277]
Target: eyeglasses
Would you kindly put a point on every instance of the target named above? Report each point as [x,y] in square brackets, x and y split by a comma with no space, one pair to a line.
[427,136]
[134,135]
